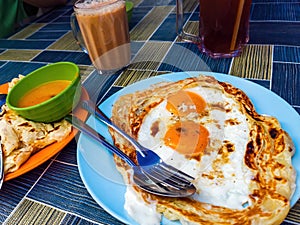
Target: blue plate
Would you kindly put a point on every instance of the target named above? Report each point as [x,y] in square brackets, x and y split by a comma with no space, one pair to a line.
[96,165]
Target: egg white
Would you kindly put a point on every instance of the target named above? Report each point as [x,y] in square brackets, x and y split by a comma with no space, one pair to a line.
[219,182]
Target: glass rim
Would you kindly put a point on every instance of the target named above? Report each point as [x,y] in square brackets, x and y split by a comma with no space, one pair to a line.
[98,6]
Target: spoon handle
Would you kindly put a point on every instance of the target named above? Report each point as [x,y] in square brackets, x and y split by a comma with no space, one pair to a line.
[92,109]
[86,129]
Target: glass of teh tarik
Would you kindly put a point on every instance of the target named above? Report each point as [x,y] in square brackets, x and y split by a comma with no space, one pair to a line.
[223,26]
[101,28]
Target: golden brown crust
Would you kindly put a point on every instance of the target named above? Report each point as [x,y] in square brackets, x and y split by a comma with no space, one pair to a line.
[268,156]
[21,138]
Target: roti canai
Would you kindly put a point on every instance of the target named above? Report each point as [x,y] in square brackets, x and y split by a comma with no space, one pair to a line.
[241,161]
[21,138]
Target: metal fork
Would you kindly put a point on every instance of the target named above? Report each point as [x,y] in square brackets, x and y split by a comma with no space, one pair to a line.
[141,177]
[155,167]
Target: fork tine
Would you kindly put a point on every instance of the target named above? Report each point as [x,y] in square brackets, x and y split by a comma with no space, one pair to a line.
[161,188]
[170,177]
[174,171]
[164,176]
[154,180]
[152,159]
[159,177]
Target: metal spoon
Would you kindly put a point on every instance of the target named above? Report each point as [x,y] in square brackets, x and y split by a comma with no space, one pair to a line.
[141,176]
[151,162]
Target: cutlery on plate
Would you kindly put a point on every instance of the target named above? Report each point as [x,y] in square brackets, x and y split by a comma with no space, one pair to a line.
[153,180]
[155,167]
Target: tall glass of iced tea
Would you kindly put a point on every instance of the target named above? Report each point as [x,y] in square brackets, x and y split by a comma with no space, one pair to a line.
[103,29]
[223,26]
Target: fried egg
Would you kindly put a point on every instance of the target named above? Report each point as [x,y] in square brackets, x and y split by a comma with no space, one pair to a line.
[241,160]
[203,133]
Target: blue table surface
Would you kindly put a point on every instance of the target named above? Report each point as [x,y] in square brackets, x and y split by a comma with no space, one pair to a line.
[53,192]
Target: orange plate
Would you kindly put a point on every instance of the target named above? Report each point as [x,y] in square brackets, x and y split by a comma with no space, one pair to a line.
[4,88]
[46,153]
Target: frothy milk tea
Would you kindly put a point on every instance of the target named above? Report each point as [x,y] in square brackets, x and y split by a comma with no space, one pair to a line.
[104,28]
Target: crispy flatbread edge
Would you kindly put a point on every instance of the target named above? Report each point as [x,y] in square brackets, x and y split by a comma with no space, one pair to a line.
[173,215]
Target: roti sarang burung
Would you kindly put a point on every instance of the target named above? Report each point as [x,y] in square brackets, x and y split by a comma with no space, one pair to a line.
[241,161]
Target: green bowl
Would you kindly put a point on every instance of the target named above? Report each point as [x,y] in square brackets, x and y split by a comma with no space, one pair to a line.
[129,9]
[58,106]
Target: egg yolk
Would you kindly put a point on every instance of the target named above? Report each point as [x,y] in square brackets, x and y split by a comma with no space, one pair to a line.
[187,137]
[183,103]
